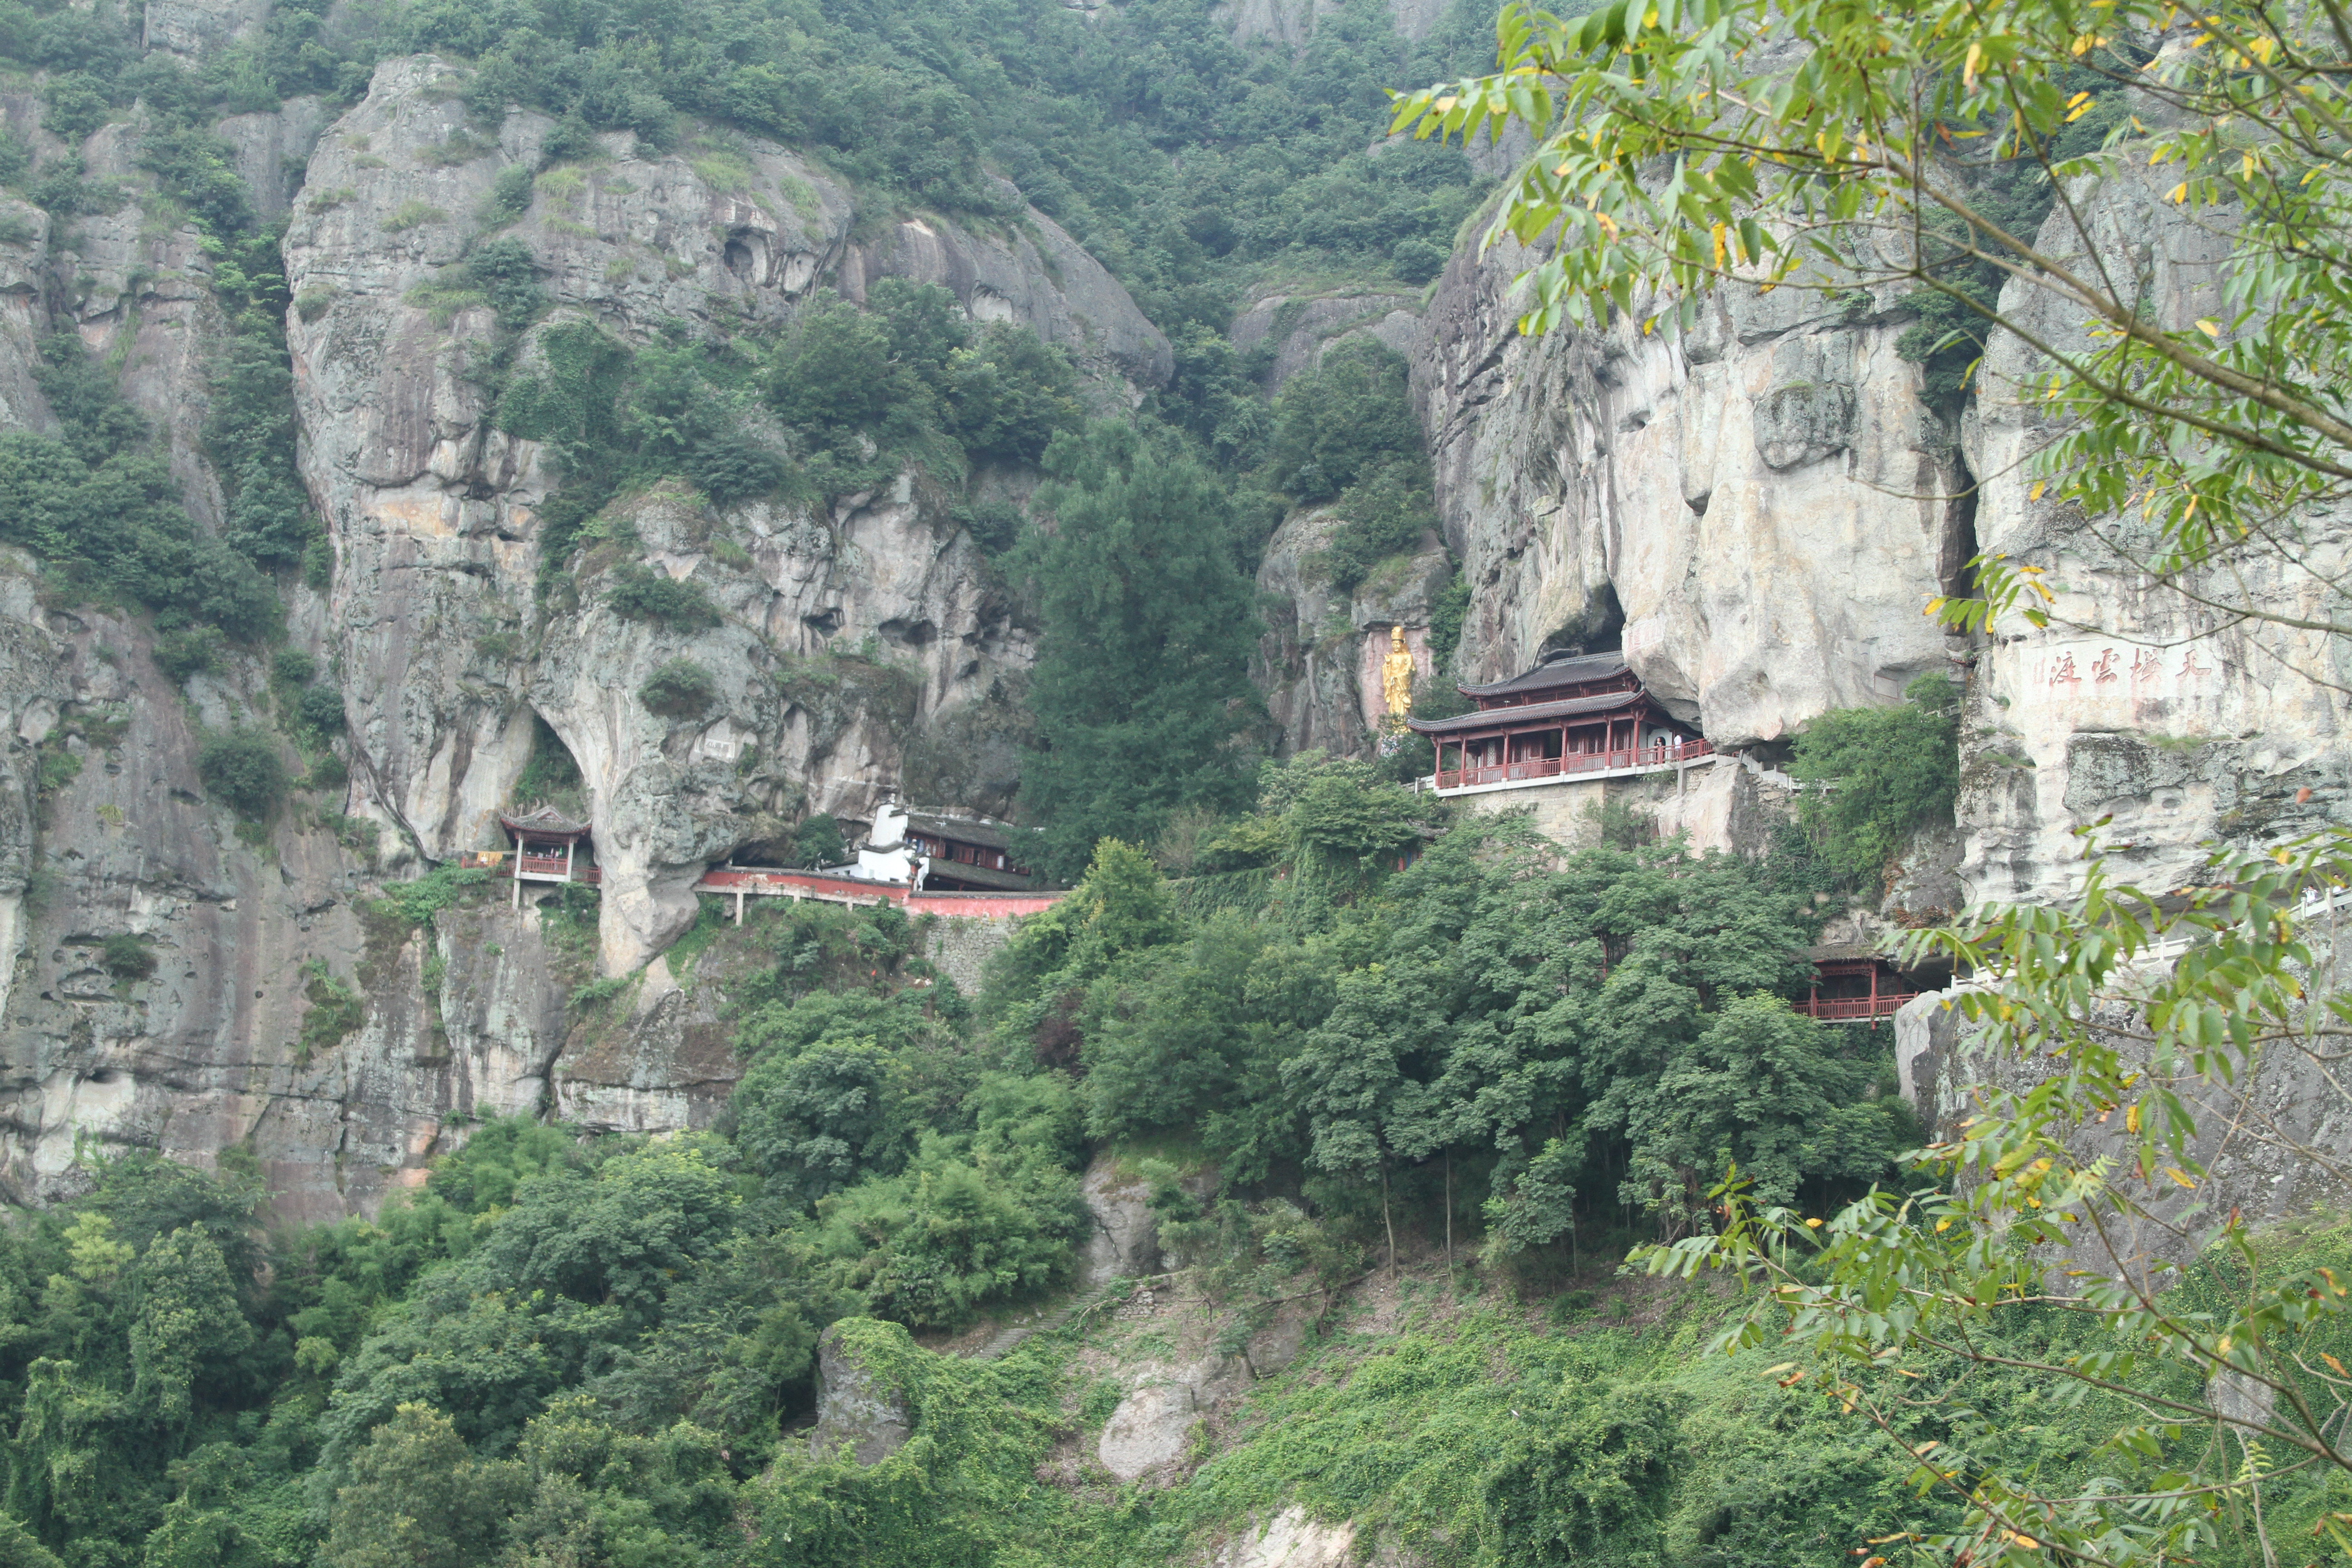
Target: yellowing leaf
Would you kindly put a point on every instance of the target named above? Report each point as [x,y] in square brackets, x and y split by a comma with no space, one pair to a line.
[1812,1224]
[2181,1176]
[2039,486]
[1943,1225]
[2179,193]
[2131,1120]
[2212,329]
[2333,1364]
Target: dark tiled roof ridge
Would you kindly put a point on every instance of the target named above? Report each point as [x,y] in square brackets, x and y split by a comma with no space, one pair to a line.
[1571,671]
[1533,712]
[963,829]
[544,819]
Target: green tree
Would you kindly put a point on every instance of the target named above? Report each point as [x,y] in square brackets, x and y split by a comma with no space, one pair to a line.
[242,768]
[1771,1094]
[419,1498]
[818,842]
[839,373]
[1141,688]
[1345,421]
[186,1326]
[815,1120]
[1171,1052]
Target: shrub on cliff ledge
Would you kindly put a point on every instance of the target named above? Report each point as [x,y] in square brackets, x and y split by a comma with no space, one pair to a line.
[680,689]
[242,770]
[639,595]
[126,957]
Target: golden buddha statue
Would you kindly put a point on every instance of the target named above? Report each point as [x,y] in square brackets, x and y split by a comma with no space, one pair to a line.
[1396,675]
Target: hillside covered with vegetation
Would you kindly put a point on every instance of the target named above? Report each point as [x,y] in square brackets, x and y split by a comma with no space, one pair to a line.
[1328,1070]
[1524,1216]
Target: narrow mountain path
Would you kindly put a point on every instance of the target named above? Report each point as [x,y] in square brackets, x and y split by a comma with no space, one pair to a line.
[1011,1334]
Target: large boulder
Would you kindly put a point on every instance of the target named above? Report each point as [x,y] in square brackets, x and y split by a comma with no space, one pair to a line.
[857,1412]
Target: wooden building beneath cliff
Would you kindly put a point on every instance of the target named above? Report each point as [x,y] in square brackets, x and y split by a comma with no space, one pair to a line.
[967,855]
[1572,714]
[549,847]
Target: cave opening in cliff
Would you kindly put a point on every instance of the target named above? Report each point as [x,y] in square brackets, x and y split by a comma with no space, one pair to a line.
[553,776]
[1600,627]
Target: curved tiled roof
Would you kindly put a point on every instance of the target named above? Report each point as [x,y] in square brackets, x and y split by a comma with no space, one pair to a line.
[545,820]
[962,829]
[1514,718]
[1576,671]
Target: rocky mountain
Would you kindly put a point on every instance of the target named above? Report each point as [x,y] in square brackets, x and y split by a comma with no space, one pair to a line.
[1753,511]
[856,644]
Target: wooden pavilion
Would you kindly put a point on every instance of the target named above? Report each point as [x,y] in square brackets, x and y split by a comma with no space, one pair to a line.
[547,846]
[1571,714]
[1857,984]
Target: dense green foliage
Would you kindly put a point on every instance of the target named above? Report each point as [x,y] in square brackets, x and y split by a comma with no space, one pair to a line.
[98,503]
[1141,688]
[680,689]
[1344,436]
[564,1346]
[1104,124]
[242,768]
[1599,1038]
[1875,777]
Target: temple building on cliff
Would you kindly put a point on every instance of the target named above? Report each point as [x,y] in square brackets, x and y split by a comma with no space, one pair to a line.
[1553,737]
[1573,714]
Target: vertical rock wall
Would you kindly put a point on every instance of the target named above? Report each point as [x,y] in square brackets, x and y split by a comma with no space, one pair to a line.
[2182,723]
[1753,512]
[857,639]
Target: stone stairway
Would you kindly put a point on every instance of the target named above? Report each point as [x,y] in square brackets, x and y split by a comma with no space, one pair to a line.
[1011,1334]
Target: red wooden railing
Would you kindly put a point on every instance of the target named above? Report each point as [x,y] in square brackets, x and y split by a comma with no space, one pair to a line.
[1575,763]
[552,865]
[1835,1009]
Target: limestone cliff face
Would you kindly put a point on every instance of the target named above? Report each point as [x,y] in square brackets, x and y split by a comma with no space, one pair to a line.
[434,509]
[860,641]
[1322,659]
[1757,513]
[1752,508]
[2182,723]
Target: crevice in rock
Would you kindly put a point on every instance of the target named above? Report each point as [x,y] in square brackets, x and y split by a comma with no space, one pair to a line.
[1958,546]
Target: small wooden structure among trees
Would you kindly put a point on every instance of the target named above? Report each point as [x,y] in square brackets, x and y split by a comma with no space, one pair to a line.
[1857,984]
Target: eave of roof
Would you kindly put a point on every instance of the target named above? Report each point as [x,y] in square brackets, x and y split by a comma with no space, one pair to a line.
[1532,713]
[1578,671]
[962,830]
[547,820]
